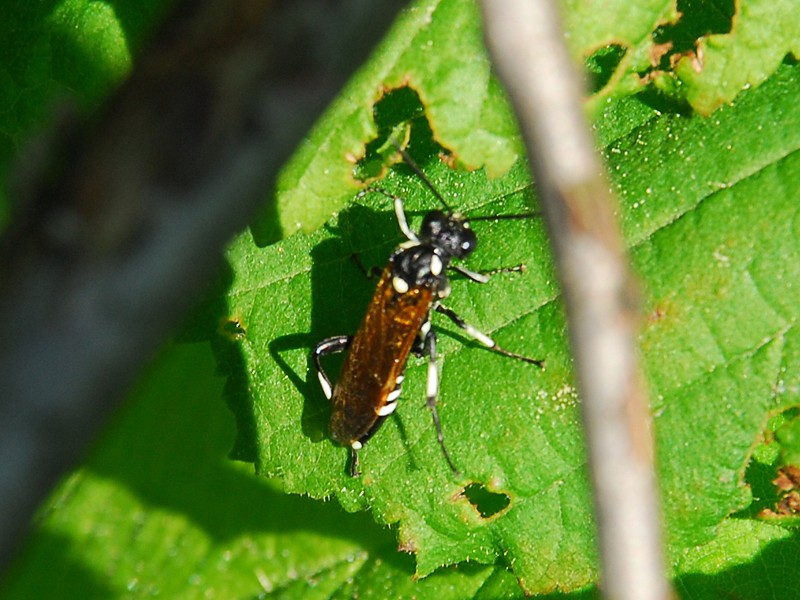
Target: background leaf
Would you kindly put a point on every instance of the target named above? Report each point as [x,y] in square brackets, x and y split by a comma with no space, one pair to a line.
[76,50]
[708,207]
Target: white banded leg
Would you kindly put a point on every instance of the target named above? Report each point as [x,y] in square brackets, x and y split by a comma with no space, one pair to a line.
[484,276]
[354,470]
[432,391]
[399,212]
[473,275]
[483,338]
[332,345]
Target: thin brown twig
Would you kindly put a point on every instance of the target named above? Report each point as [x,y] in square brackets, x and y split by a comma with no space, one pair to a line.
[526,41]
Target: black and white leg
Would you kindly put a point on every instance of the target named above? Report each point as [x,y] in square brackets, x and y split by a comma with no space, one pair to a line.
[332,345]
[484,276]
[483,338]
[399,211]
[355,471]
[432,388]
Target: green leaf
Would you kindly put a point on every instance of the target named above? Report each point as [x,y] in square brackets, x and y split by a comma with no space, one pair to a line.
[53,51]
[726,564]
[436,49]
[708,207]
[701,53]
[763,32]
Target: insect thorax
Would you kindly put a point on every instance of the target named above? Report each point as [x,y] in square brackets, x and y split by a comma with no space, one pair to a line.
[421,265]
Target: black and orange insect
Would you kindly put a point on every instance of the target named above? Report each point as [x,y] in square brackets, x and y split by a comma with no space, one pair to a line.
[398,322]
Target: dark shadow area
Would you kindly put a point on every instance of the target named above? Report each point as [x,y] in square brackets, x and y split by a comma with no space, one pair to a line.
[211,321]
[698,18]
[602,64]
[313,421]
[664,103]
[590,593]
[486,502]
[770,575]
[65,577]
[774,486]
[499,584]
[759,477]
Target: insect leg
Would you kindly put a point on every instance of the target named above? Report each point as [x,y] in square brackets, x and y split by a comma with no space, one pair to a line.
[473,275]
[399,212]
[432,391]
[483,276]
[332,345]
[354,470]
[483,338]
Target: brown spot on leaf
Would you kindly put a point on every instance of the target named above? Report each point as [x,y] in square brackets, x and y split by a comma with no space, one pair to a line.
[788,478]
[658,51]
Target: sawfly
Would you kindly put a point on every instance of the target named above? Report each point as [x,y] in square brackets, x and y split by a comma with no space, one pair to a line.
[411,288]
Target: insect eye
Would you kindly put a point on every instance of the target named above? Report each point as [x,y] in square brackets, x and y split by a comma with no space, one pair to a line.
[468,243]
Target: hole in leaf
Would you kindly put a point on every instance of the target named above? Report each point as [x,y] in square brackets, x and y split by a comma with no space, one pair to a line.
[759,476]
[398,107]
[773,472]
[232,329]
[486,502]
[699,18]
[602,63]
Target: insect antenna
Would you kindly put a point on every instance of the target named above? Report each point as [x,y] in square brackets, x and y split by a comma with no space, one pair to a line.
[520,216]
[414,167]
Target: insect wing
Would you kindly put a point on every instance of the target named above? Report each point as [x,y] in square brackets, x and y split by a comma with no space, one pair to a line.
[376,359]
